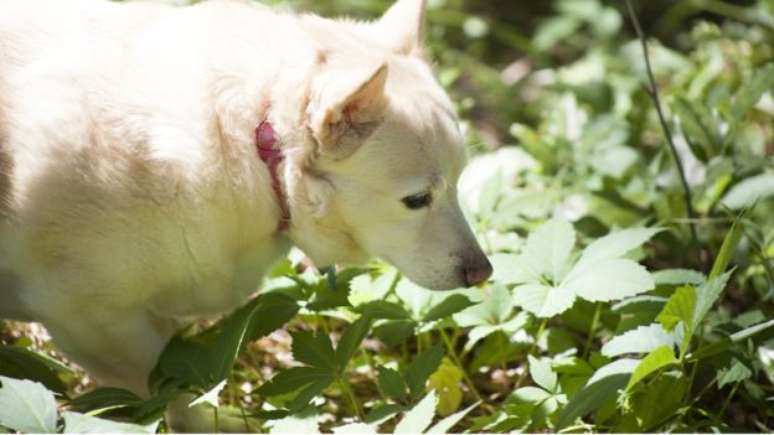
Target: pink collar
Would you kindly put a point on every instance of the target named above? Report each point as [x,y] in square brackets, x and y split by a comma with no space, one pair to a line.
[267,143]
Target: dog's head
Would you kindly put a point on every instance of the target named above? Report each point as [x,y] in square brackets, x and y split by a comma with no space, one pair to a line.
[383,156]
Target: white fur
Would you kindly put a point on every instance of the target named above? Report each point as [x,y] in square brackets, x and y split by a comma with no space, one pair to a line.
[135,199]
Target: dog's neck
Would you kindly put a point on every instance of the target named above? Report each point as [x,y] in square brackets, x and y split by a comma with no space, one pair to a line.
[270,152]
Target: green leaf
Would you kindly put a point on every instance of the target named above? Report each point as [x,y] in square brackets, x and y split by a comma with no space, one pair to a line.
[726,249]
[737,372]
[308,393]
[748,191]
[641,340]
[706,296]
[543,301]
[20,363]
[494,310]
[446,383]
[548,248]
[105,398]
[292,379]
[206,359]
[541,372]
[418,418]
[608,280]
[726,343]
[382,412]
[657,359]
[351,339]
[451,305]
[392,384]
[615,245]
[80,423]
[421,368]
[27,406]
[752,90]
[679,307]
[395,332]
[510,269]
[698,126]
[383,310]
[314,349]
[601,388]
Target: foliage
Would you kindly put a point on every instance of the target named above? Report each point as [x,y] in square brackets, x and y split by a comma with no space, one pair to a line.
[604,314]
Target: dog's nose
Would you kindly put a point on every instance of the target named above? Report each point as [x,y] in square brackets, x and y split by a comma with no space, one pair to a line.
[477,271]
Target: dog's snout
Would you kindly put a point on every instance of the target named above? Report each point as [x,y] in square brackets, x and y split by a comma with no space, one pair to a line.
[477,270]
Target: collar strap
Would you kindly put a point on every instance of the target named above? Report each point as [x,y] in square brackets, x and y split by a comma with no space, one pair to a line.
[269,151]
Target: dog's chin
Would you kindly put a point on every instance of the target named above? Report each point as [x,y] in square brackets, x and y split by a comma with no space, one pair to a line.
[435,283]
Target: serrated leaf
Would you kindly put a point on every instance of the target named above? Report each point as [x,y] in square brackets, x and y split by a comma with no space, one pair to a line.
[351,339]
[541,372]
[392,383]
[395,332]
[495,308]
[383,310]
[451,305]
[679,307]
[641,340]
[657,359]
[27,406]
[548,249]
[706,296]
[510,269]
[543,301]
[383,412]
[292,379]
[615,245]
[308,393]
[418,418]
[80,423]
[421,368]
[314,349]
[609,280]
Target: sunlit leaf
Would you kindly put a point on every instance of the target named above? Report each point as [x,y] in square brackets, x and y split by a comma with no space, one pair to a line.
[543,301]
[418,418]
[657,359]
[27,406]
[641,340]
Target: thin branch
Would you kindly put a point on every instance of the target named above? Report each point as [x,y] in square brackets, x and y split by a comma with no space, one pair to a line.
[653,92]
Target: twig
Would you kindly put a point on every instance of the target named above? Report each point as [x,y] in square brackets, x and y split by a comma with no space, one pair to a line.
[653,92]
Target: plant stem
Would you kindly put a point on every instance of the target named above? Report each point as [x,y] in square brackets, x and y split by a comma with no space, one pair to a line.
[453,355]
[653,92]
[590,337]
[352,400]
[728,400]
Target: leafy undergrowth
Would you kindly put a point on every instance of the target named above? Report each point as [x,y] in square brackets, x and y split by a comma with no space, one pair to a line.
[605,312]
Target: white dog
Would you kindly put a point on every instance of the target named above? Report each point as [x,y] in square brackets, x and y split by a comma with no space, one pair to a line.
[156,160]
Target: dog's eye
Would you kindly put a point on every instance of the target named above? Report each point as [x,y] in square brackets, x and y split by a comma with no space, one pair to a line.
[420,200]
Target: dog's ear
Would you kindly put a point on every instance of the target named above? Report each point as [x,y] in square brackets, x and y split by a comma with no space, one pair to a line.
[403,25]
[347,108]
